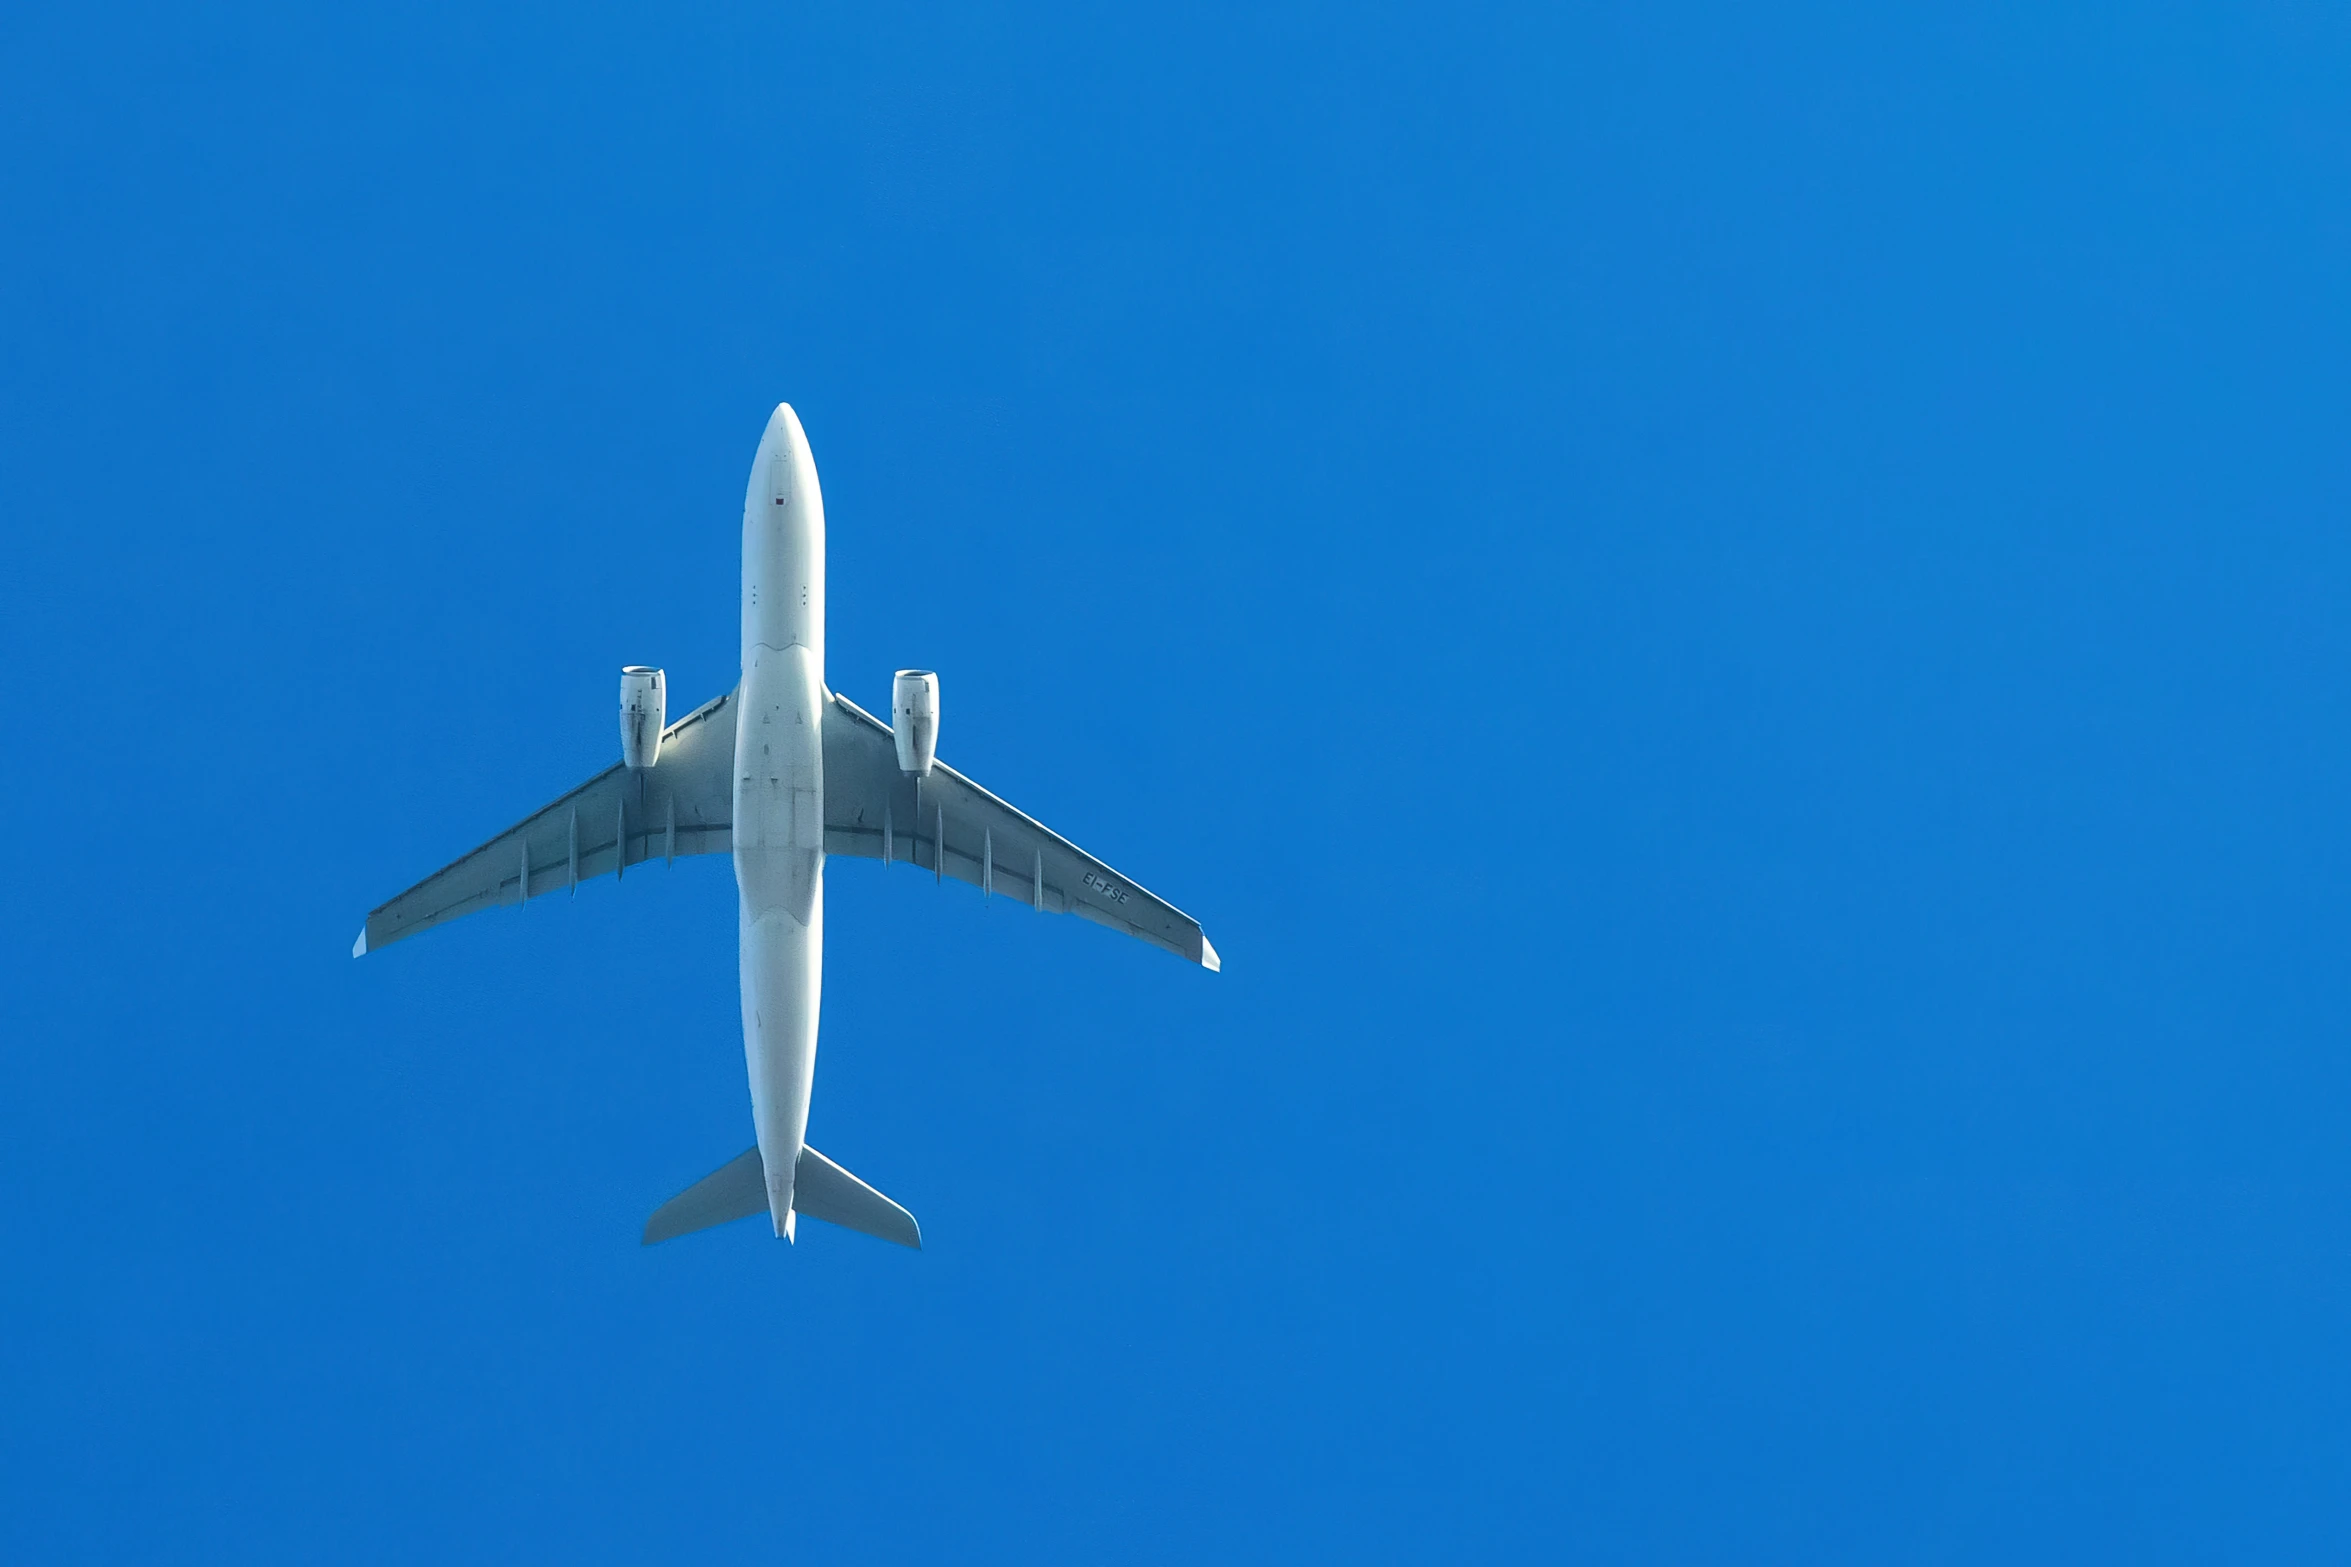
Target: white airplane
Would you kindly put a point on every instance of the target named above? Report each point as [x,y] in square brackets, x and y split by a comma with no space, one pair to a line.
[781,773]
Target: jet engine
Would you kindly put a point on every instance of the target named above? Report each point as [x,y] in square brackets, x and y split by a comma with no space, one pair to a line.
[914,715]
[644,700]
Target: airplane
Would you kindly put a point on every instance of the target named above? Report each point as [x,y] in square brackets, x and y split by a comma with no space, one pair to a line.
[783,773]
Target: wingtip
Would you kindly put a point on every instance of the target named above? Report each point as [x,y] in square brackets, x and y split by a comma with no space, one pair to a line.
[1208,958]
[359,947]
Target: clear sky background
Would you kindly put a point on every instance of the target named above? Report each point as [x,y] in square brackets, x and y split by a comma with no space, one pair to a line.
[1733,619]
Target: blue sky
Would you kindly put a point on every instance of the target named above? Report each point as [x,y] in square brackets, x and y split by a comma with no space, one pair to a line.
[1732,620]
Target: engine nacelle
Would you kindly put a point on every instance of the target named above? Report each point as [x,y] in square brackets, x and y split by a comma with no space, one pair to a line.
[914,715]
[644,704]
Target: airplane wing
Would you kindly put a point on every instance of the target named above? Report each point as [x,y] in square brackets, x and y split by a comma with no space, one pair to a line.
[682,804]
[953,827]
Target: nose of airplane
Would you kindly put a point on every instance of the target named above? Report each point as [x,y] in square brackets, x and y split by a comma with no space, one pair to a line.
[784,433]
[784,459]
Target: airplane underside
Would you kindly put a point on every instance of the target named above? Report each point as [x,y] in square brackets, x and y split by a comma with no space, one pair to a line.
[782,773]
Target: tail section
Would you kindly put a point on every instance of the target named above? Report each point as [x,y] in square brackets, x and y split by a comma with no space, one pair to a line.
[823,1190]
[820,1188]
[736,1190]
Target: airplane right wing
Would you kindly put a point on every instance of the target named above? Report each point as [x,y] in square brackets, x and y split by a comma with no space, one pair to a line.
[682,804]
[953,827]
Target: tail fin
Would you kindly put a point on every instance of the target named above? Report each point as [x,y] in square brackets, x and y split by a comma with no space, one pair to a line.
[820,1188]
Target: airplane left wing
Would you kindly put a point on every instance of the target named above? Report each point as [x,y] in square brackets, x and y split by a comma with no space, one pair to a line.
[952,827]
[682,804]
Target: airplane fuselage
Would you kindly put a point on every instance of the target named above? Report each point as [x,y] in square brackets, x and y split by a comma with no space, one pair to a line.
[779,796]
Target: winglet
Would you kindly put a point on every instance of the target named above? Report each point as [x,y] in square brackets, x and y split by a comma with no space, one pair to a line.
[359,947]
[1208,958]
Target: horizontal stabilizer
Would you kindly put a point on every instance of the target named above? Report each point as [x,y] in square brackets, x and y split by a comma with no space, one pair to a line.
[823,1190]
[820,1188]
[736,1190]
